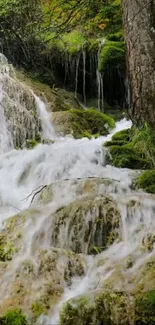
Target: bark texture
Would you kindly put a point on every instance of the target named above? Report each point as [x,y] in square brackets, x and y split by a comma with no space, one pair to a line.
[139,23]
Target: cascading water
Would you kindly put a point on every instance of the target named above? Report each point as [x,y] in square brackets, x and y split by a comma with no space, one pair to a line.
[84,76]
[48,130]
[59,195]
[77,73]
[99,79]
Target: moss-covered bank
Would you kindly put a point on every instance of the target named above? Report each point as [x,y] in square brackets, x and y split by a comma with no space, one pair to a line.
[110,308]
[132,148]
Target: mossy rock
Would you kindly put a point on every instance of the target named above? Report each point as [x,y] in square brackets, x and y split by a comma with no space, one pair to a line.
[84,123]
[148,242]
[70,122]
[56,99]
[123,135]
[98,122]
[146,181]
[127,157]
[119,139]
[86,237]
[7,250]
[114,143]
[110,308]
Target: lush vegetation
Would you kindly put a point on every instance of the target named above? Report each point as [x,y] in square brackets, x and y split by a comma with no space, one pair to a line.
[34,31]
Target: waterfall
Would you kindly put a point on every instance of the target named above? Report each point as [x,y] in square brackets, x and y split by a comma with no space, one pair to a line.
[69,221]
[84,76]
[77,73]
[6,141]
[48,130]
[99,79]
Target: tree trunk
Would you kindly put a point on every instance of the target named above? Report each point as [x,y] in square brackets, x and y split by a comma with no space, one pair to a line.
[138,21]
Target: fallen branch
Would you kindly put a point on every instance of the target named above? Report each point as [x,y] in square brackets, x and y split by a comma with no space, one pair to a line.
[42,187]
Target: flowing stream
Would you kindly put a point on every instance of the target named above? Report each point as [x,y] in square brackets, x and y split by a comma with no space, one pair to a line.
[69,165]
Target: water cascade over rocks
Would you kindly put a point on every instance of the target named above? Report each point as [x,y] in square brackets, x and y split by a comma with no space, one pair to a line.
[70,224]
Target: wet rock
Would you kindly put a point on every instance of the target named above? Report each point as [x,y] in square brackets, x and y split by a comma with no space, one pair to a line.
[84,225]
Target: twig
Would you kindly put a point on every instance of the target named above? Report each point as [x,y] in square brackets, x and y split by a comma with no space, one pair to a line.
[32,192]
[38,192]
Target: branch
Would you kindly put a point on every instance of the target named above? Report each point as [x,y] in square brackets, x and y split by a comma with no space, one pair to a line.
[33,192]
[38,193]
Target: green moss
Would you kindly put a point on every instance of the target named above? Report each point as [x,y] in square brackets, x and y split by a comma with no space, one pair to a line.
[124,135]
[129,262]
[14,317]
[116,37]
[86,134]
[120,138]
[146,181]
[77,313]
[7,250]
[83,123]
[148,242]
[30,144]
[112,54]
[38,309]
[98,122]
[110,308]
[103,308]
[133,148]
[114,143]
[126,157]
[145,308]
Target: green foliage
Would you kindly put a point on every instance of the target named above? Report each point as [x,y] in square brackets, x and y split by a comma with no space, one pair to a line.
[116,37]
[13,317]
[112,54]
[146,181]
[71,42]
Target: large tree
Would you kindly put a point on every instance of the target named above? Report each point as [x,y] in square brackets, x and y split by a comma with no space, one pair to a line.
[139,23]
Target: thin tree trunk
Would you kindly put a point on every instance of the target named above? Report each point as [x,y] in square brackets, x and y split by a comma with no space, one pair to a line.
[139,22]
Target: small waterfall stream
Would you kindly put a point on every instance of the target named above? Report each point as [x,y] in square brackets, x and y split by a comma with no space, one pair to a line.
[72,172]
